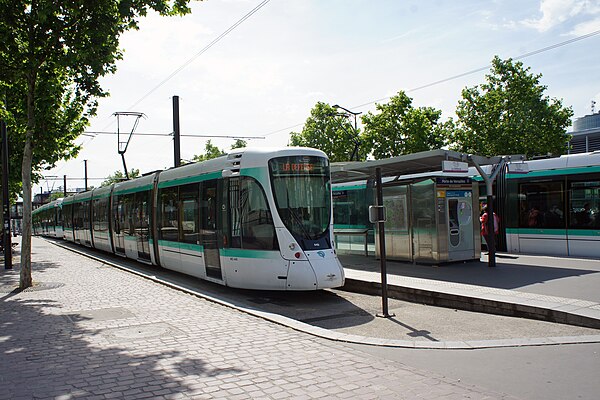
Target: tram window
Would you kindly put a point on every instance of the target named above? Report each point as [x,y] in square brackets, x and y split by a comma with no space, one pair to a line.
[139,213]
[100,215]
[585,205]
[119,222]
[168,223]
[350,207]
[74,211]
[251,219]
[541,205]
[208,206]
[85,218]
[189,198]
[77,223]
[234,212]
[128,210]
[68,220]
[59,217]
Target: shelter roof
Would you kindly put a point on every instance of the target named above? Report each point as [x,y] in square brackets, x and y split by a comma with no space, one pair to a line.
[426,161]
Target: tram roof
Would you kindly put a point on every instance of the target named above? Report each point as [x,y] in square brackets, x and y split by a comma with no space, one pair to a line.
[416,163]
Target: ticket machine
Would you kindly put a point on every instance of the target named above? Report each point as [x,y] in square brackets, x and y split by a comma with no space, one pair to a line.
[431,220]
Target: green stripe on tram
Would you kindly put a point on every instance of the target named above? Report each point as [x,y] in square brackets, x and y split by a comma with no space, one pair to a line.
[259,173]
[351,187]
[343,226]
[558,171]
[244,253]
[133,190]
[553,232]
[190,179]
[101,196]
[181,245]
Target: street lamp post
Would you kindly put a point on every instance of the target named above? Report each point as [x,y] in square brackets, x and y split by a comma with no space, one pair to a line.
[355,136]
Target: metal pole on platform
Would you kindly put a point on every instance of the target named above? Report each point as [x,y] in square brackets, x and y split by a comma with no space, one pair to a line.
[489,187]
[382,257]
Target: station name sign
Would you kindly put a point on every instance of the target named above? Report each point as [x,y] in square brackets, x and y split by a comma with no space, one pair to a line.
[452,181]
[455,166]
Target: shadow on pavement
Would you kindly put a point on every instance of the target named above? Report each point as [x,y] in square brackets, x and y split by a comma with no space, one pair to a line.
[47,355]
[504,276]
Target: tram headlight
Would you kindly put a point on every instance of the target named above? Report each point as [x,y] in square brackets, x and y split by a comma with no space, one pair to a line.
[292,246]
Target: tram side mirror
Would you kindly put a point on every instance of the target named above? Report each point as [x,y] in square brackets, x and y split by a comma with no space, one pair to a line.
[377,214]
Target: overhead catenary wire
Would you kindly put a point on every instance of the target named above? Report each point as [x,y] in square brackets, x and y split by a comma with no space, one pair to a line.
[96,133]
[189,61]
[461,75]
[204,50]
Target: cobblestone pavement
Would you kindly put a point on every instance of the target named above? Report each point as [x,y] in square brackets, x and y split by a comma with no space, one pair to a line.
[87,330]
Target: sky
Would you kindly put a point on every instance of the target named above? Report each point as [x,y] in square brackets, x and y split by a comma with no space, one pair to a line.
[263,77]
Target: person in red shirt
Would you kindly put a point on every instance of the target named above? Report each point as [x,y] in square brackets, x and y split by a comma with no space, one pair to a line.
[484,224]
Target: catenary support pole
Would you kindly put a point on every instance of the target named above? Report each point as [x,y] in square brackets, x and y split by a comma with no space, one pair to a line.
[176,132]
[65,185]
[85,176]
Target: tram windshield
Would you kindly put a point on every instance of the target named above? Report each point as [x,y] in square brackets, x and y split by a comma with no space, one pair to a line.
[301,186]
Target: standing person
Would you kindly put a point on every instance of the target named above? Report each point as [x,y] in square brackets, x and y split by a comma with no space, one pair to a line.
[534,217]
[484,225]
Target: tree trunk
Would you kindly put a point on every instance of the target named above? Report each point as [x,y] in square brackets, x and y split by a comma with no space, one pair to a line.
[25,276]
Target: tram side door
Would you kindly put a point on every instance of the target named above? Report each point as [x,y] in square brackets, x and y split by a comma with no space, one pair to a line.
[119,224]
[209,227]
[460,223]
[142,224]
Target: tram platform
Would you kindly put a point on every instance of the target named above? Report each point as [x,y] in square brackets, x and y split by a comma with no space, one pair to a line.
[553,289]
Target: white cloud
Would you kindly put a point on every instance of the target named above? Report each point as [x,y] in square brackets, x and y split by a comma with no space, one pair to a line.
[586,27]
[556,12]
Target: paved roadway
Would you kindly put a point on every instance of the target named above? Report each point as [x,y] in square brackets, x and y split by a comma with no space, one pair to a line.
[118,335]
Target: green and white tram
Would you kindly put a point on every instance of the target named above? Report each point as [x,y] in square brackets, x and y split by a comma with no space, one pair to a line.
[255,218]
[554,209]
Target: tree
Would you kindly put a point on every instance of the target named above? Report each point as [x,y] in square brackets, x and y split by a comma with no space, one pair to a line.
[239,144]
[119,176]
[56,195]
[210,151]
[399,128]
[331,132]
[52,55]
[509,114]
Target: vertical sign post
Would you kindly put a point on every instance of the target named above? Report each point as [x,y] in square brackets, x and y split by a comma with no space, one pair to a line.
[5,200]
[377,214]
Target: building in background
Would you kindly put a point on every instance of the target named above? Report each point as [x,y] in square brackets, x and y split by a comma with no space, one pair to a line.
[586,134]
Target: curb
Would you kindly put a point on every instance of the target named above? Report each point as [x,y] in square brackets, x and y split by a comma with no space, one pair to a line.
[520,309]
